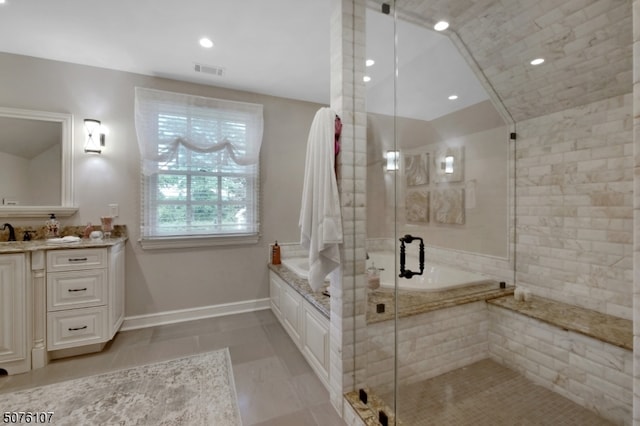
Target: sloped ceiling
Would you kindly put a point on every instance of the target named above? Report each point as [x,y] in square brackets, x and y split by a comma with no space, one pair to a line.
[586,44]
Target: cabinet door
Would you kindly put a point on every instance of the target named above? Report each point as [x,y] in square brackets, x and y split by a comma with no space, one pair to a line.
[116,288]
[13,314]
[291,309]
[316,341]
[275,291]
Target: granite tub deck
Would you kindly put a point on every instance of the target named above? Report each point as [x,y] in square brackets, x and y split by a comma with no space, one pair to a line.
[414,302]
[301,285]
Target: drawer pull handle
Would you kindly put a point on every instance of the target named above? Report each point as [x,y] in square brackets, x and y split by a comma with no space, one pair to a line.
[71,290]
[78,328]
[78,259]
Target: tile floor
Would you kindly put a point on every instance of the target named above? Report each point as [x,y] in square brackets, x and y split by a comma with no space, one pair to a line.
[274,383]
[276,386]
[488,394]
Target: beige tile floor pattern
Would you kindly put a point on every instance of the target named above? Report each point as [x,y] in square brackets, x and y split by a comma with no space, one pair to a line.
[487,393]
[274,383]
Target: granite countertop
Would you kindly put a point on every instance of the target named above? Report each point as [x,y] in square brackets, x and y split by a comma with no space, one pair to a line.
[301,285]
[415,302]
[614,330]
[39,242]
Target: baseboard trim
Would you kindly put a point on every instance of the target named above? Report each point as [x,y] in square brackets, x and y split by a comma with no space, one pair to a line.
[171,317]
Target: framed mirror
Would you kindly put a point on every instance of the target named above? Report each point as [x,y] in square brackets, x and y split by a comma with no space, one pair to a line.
[36,167]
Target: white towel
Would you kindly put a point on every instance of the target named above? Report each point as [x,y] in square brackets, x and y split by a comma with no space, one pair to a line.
[320,218]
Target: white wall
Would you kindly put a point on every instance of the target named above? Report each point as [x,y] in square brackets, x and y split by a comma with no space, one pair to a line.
[485,141]
[159,281]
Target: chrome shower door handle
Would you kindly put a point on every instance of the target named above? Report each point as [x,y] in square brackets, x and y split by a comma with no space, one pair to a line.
[407,273]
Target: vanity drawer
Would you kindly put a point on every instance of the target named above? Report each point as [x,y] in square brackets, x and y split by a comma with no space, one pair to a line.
[76,327]
[76,289]
[76,259]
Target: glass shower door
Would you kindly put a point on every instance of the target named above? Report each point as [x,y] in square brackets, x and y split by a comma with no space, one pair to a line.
[438,211]
[382,166]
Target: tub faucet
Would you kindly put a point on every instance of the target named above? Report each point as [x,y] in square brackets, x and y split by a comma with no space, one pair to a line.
[12,232]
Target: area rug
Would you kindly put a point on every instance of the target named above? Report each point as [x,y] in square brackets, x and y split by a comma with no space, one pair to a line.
[197,390]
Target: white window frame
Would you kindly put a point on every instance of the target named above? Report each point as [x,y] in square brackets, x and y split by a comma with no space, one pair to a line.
[154,166]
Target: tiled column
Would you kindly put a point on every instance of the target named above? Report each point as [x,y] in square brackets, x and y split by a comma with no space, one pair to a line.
[636,212]
[347,100]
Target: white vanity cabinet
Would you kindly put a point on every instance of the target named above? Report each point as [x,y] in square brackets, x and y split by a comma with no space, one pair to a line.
[15,356]
[304,323]
[85,296]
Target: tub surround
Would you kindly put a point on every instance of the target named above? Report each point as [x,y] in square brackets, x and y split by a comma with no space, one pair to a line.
[410,302]
[301,285]
[593,349]
[304,315]
[413,303]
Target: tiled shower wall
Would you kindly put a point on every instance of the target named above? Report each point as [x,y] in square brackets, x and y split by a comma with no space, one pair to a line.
[574,190]
[348,304]
[590,372]
[429,344]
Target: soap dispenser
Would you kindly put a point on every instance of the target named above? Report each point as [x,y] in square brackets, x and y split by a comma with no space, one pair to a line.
[52,226]
[275,254]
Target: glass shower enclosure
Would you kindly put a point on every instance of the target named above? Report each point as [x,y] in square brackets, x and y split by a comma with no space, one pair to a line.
[439,216]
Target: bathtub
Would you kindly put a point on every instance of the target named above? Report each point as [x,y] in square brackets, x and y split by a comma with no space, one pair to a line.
[298,265]
[435,277]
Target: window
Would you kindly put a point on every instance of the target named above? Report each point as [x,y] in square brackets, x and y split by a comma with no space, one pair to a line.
[200,168]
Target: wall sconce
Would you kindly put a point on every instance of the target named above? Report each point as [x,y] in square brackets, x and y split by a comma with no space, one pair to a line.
[392,160]
[95,136]
[447,164]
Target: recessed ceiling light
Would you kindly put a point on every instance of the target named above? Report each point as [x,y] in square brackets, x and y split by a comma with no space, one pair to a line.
[453,97]
[537,61]
[1,1]
[368,63]
[205,42]
[366,79]
[441,26]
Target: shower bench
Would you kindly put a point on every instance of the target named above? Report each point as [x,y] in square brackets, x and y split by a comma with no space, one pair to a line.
[584,355]
[607,328]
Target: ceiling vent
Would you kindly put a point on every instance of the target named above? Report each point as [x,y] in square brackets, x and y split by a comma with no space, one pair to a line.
[209,69]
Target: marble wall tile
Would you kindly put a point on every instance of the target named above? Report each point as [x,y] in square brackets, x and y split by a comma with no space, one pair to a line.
[429,344]
[577,210]
[588,371]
